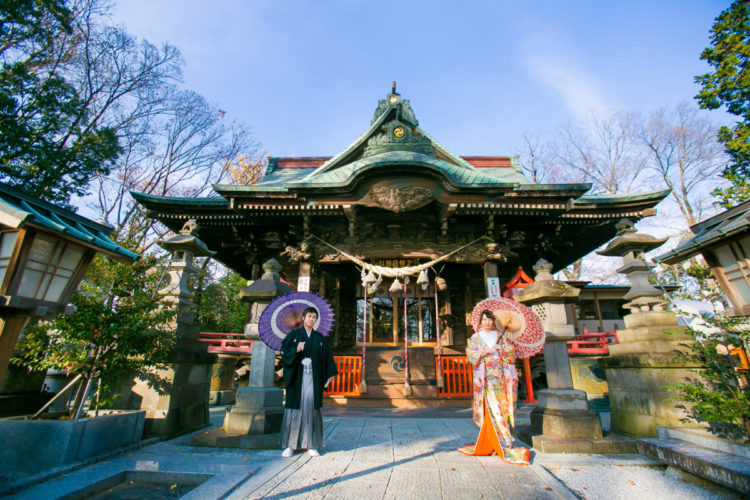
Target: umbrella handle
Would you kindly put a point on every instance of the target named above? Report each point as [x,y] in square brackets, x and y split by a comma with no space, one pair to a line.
[501,335]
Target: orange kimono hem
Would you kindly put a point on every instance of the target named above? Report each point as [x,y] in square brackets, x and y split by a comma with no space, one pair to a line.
[488,443]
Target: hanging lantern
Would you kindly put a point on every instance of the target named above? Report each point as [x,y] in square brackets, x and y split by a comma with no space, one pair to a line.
[370,278]
[395,287]
[423,280]
[442,285]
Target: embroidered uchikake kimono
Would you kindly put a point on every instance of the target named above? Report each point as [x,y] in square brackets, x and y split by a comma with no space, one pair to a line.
[495,388]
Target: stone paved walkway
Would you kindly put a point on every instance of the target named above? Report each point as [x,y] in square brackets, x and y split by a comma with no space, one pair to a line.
[399,457]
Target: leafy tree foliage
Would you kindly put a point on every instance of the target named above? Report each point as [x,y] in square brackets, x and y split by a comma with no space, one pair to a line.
[218,308]
[118,326]
[49,147]
[717,394]
[728,86]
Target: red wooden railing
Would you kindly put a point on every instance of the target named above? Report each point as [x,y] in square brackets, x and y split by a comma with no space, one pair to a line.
[221,343]
[346,383]
[456,376]
[592,343]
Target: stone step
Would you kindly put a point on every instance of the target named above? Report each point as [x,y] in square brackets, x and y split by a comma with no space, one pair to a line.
[700,436]
[720,467]
[397,402]
[392,395]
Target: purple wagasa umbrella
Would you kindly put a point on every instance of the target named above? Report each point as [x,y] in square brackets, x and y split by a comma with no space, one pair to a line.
[284,314]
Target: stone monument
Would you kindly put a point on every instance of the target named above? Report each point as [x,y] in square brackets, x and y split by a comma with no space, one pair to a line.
[650,353]
[562,421]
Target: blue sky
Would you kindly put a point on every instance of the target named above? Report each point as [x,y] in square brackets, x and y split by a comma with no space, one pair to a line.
[307,74]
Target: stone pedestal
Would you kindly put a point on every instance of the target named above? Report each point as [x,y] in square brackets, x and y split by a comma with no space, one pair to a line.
[562,412]
[255,419]
[647,359]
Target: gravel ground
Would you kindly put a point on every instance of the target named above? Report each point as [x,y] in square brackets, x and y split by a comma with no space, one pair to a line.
[628,482]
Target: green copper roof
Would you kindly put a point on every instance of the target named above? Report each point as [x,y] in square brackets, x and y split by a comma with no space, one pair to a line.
[414,147]
[710,232]
[19,209]
[615,199]
[173,201]
[457,175]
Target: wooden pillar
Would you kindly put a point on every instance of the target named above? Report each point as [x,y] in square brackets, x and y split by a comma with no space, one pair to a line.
[10,327]
[490,271]
[446,330]
[304,272]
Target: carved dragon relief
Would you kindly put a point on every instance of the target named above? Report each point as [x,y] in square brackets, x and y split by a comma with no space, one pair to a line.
[401,199]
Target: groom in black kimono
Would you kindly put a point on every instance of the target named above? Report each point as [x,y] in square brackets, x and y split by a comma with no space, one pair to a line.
[308,368]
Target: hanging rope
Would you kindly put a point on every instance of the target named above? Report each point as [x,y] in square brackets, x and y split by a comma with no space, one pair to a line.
[439,373]
[396,272]
[363,382]
[407,387]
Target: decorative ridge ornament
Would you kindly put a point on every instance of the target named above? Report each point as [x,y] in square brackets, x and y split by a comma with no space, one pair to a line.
[402,199]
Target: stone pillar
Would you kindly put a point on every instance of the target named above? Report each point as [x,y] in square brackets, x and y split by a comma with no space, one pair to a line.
[255,420]
[178,402]
[562,421]
[648,356]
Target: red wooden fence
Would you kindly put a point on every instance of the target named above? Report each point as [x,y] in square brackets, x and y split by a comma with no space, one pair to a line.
[456,376]
[346,383]
[227,342]
[592,343]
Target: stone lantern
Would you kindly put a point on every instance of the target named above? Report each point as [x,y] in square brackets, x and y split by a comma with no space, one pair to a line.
[649,355]
[181,405]
[44,254]
[562,421]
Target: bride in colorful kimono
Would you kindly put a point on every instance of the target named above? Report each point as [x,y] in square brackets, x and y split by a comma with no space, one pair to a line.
[495,389]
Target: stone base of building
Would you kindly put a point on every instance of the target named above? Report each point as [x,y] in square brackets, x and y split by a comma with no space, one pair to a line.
[259,410]
[218,438]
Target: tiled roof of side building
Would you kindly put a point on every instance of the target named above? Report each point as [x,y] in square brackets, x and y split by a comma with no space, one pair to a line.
[722,227]
[20,208]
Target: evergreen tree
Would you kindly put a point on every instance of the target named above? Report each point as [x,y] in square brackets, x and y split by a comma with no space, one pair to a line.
[728,86]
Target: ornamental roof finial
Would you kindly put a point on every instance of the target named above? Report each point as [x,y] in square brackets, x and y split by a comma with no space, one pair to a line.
[393,87]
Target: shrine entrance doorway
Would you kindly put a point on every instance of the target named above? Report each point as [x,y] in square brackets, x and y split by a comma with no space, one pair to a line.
[380,315]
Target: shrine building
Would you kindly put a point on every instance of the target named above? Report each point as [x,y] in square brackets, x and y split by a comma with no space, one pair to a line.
[397,198]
